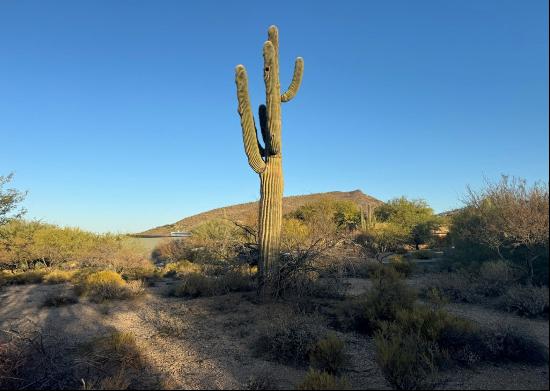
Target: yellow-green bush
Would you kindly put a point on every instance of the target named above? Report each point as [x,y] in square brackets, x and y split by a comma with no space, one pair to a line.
[329,354]
[107,285]
[408,360]
[59,276]
[27,277]
[182,267]
[318,380]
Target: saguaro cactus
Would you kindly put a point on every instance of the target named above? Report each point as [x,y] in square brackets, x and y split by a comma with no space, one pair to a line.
[266,160]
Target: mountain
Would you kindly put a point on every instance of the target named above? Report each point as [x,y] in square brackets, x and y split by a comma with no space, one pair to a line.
[245,213]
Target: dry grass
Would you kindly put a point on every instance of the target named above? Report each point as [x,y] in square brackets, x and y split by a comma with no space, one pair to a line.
[59,276]
[108,285]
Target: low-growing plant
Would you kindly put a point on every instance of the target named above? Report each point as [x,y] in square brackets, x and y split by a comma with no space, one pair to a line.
[193,285]
[402,265]
[289,339]
[107,285]
[58,276]
[27,277]
[529,301]
[389,295]
[495,277]
[408,359]
[460,287]
[319,380]
[180,268]
[329,354]
[262,380]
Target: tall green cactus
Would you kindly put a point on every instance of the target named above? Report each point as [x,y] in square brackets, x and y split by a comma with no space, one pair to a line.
[266,160]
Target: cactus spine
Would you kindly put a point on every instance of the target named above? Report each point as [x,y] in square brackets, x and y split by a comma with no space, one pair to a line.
[266,161]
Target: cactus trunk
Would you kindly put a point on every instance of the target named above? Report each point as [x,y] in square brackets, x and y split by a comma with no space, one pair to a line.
[271,215]
[266,160]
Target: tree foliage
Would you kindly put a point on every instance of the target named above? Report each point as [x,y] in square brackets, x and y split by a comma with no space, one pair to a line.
[9,201]
[507,219]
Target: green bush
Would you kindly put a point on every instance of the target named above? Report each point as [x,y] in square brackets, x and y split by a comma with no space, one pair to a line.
[408,360]
[529,301]
[329,355]
[388,295]
[318,380]
[402,265]
[289,340]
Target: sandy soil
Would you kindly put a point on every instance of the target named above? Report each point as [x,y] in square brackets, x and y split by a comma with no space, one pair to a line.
[207,343]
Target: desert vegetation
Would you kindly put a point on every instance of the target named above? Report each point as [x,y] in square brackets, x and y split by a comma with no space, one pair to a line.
[362,297]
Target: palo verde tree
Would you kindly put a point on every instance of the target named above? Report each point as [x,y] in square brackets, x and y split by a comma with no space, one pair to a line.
[266,160]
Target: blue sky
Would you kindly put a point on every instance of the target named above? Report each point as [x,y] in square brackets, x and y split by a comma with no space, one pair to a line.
[122,115]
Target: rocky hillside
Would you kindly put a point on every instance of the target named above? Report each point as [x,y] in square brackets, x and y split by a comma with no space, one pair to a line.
[247,213]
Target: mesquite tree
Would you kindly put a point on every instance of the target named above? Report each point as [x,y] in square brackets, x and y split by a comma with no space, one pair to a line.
[266,160]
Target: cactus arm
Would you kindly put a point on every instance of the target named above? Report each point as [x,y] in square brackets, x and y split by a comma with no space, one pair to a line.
[250,137]
[262,114]
[296,81]
[273,97]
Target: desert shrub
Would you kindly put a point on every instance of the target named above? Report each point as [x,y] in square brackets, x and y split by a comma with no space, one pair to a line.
[112,354]
[329,354]
[381,239]
[457,287]
[58,300]
[58,276]
[27,277]
[289,339]
[512,344]
[147,274]
[529,301]
[495,277]
[193,285]
[408,360]
[388,295]
[262,380]
[318,380]
[508,220]
[239,279]
[182,267]
[402,265]
[382,302]
[107,285]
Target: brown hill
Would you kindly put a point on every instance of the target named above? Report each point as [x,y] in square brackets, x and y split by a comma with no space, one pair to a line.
[245,213]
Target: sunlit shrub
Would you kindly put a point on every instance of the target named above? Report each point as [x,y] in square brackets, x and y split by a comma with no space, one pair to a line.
[319,380]
[107,285]
[58,276]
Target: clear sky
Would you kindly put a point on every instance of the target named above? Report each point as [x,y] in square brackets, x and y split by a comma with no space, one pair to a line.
[122,115]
